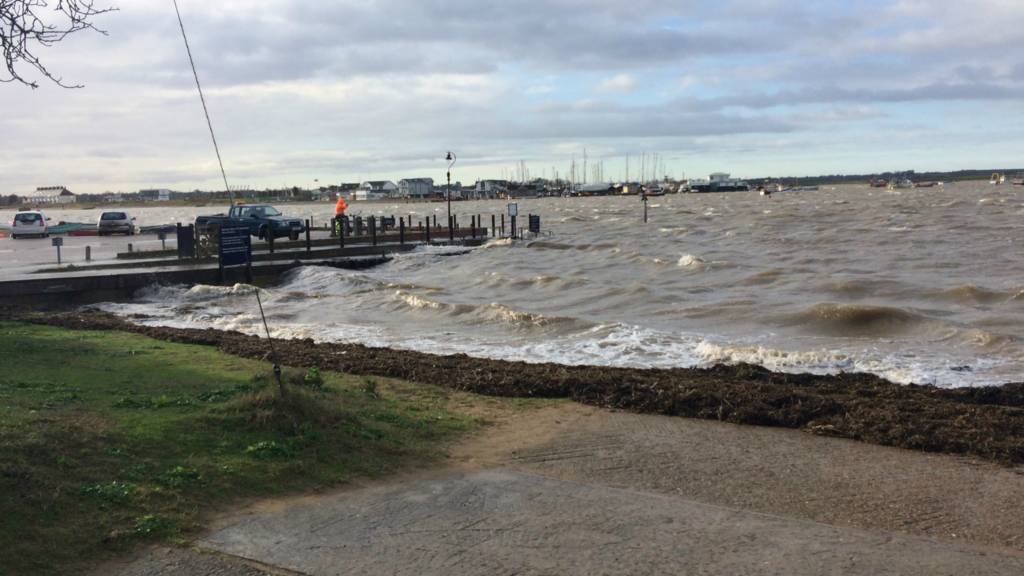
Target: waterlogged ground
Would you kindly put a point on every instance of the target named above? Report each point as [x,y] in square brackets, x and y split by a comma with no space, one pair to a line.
[915,286]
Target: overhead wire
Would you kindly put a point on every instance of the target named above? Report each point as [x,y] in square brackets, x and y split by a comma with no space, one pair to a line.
[227,187]
[202,98]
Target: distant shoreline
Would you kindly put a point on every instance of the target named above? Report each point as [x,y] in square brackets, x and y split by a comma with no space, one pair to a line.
[330,202]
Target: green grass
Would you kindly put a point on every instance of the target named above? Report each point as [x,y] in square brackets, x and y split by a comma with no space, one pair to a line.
[110,439]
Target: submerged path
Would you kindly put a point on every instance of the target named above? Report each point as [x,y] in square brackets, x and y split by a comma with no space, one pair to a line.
[572,489]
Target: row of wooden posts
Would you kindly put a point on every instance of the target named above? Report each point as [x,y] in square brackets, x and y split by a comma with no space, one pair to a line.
[361,227]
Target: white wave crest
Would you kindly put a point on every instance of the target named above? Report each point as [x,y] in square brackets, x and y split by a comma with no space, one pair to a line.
[691,261]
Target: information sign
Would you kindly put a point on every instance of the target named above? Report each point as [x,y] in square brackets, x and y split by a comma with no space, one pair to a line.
[235,246]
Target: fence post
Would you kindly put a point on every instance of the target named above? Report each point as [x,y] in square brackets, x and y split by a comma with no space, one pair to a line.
[502,224]
[472,226]
[427,230]
[373,230]
[309,245]
[401,231]
[494,230]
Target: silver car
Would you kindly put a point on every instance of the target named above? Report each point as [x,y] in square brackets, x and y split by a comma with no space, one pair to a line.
[116,223]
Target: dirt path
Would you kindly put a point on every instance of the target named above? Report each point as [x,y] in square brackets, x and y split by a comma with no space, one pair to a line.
[576,479]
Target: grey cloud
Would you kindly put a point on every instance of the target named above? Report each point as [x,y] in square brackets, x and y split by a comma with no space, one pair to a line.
[834,94]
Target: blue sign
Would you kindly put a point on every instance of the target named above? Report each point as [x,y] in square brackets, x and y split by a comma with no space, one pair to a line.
[235,246]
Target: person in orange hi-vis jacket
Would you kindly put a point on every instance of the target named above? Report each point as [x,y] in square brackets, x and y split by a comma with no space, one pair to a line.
[339,212]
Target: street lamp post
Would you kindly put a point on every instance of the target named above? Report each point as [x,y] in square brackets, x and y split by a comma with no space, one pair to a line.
[451,162]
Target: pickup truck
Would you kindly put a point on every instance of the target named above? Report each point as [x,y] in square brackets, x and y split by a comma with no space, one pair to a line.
[262,220]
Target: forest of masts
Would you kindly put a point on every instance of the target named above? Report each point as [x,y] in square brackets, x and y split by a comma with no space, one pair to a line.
[647,168]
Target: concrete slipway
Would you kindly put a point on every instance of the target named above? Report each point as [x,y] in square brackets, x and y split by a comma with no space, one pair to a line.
[577,490]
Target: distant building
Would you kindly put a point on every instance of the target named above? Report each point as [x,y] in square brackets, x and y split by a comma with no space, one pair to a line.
[416,187]
[491,188]
[376,190]
[50,195]
[155,194]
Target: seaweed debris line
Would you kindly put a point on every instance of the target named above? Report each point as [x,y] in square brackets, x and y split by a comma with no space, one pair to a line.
[985,421]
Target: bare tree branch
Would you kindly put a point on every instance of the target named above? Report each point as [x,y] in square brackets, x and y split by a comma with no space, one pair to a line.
[27,25]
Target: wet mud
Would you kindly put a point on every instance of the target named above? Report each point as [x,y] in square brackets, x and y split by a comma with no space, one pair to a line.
[987,422]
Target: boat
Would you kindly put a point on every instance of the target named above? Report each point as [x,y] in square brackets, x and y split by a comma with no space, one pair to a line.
[654,190]
[719,182]
[74,229]
[997,178]
[900,183]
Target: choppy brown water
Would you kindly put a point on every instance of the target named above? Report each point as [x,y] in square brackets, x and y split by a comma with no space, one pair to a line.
[917,285]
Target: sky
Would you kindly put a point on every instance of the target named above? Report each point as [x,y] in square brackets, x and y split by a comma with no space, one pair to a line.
[306,93]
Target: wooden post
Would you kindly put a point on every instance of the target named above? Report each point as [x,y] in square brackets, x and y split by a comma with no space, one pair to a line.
[88,253]
[427,230]
[513,226]
[309,245]
[494,229]
[373,230]
[472,226]
[401,231]
[502,224]
[270,239]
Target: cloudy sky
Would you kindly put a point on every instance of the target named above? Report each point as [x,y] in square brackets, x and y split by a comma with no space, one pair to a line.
[349,90]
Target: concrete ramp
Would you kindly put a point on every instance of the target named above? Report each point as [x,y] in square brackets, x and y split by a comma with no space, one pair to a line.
[504,522]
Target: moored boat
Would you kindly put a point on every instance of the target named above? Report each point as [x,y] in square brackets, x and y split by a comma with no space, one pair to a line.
[719,182]
[900,183]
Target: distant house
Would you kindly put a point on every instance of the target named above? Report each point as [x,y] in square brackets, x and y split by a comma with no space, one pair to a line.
[376,190]
[155,194]
[416,187]
[50,195]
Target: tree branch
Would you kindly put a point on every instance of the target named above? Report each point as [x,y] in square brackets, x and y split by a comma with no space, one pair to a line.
[27,25]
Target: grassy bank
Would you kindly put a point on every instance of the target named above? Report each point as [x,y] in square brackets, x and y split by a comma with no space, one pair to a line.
[987,422]
[109,439]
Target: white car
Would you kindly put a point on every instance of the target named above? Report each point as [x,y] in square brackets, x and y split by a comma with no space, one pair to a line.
[29,223]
